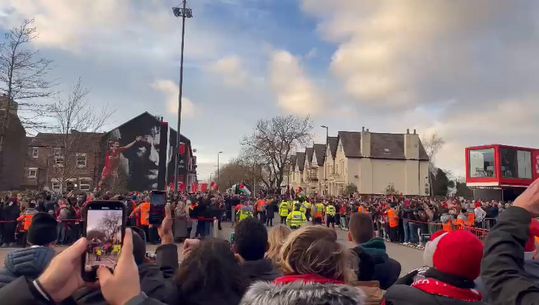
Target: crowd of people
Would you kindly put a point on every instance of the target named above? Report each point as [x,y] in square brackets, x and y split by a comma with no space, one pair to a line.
[297,260]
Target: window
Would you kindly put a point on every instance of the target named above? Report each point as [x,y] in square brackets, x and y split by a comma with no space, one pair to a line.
[482,163]
[35,152]
[32,172]
[56,186]
[57,151]
[85,184]
[81,160]
[516,164]
[58,161]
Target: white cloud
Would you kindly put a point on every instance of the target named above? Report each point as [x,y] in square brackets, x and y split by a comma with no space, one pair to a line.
[295,92]
[464,69]
[170,91]
[231,70]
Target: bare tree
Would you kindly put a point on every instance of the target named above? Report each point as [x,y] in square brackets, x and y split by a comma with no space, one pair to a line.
[111,224]
[433,143]
[23,73]
[74,117]
[271,144]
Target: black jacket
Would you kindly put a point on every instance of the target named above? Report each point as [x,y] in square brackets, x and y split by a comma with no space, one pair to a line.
[502,269]
[407,295]
[260,270]
[29,262]
[386,270]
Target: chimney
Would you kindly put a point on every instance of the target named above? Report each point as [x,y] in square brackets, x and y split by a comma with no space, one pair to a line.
[365,148]
[411,146]
[407,130]
[362,128]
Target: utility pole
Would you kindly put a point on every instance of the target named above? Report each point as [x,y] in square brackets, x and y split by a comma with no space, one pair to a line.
[325,169]
[184,13]
[218,169]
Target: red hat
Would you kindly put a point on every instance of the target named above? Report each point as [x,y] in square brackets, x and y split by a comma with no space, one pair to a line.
[457,253]
[478,204]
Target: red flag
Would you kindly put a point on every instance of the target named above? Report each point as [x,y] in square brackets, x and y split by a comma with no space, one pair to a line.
[194,188]
[182,187]
[182,149]
[214,186]
[204,187]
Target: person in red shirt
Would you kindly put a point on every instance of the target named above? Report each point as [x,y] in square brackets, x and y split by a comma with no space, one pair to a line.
[112,162]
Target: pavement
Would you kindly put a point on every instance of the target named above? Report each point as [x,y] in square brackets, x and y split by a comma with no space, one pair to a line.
[409,258]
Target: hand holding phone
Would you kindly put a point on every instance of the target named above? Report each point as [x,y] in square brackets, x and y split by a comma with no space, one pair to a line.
[122,286]
[165,230]
[158,201]
[62,277]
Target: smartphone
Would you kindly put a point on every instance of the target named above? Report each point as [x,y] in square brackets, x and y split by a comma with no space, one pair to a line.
[104,228]
[158,201]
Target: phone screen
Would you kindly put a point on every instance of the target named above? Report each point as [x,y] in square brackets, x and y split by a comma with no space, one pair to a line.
[104,232]
[158,200]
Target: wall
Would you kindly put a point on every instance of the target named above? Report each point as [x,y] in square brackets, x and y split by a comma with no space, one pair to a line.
[388,172]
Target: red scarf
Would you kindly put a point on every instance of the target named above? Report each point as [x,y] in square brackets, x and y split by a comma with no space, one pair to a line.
[435,287]
[305,278]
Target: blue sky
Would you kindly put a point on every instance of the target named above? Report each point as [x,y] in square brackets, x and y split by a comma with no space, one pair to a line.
[466,71]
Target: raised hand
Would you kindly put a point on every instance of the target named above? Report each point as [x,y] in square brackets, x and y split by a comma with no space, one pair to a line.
[529,200]
[165,229]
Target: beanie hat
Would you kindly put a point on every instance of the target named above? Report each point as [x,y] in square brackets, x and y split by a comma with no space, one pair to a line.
[457,253]
[43,230]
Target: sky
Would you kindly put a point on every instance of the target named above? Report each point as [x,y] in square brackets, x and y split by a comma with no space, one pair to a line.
[466,70]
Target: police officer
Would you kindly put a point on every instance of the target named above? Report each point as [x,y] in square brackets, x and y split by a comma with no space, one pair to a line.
[283,211]
[296,219]
[319,213]
[331,211]
[245,212]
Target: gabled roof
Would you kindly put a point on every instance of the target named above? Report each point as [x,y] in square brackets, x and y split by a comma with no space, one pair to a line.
[351,142]
[332,143]
[293,160]
[309,154]
[300,160]
[387,146]
[320,152]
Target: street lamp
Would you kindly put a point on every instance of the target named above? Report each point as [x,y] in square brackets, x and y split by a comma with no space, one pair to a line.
[182,12]
[325,169]
[218,169]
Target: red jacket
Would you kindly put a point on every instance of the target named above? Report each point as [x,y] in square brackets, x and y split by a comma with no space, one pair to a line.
[305,278]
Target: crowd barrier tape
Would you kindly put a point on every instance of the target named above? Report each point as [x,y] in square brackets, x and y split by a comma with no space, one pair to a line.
[434,227]
[62,221]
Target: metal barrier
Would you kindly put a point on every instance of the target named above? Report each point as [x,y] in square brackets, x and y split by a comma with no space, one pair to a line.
[434,227]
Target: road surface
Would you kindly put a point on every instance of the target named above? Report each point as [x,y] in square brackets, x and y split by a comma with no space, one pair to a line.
[408,257]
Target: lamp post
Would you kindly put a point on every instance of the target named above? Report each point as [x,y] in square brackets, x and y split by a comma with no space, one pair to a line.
[218,169]
[325,169]
[184,13]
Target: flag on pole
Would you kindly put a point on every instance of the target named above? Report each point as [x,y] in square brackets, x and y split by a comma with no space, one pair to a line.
[203,187]
[194,188]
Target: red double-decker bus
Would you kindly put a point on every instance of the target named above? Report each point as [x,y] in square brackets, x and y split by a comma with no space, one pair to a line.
[500,172]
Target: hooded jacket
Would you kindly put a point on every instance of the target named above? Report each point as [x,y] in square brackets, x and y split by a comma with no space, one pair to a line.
[386,269]
[28,262]
[263,293]
[260,270]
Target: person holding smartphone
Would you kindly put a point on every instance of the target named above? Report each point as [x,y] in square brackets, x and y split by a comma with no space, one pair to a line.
[63,277]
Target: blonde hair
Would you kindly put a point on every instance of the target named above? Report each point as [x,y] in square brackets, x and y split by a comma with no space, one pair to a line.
[276,239]
[315,250]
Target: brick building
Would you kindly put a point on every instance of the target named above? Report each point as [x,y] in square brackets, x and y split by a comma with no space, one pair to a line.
[12,143]
[57,163]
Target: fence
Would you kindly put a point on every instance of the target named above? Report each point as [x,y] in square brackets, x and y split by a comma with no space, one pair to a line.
[433,227]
